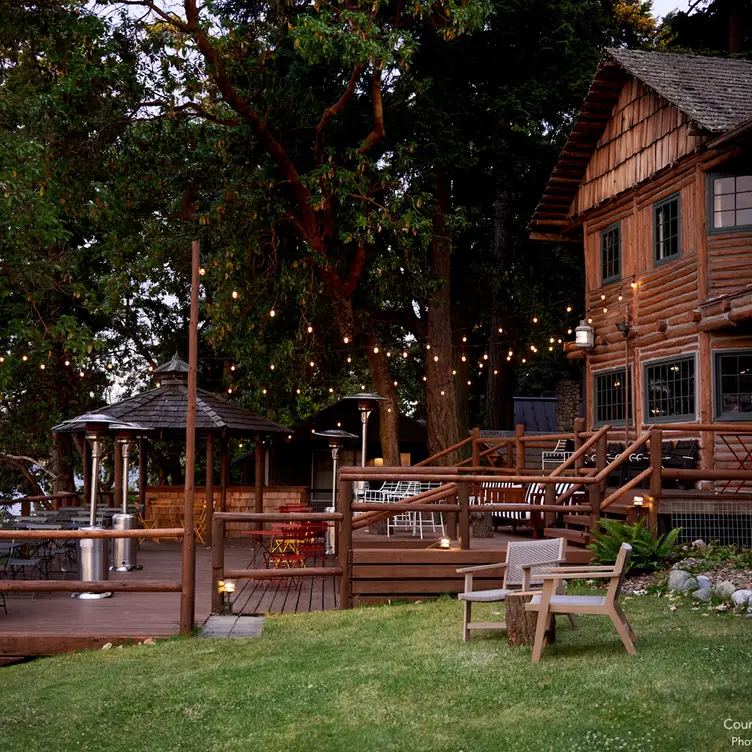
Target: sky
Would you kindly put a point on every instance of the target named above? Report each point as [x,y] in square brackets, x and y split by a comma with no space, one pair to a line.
[662,7]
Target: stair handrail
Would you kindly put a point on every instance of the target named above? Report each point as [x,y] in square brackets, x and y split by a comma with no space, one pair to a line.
[646,473]
[580,452]
[444,452]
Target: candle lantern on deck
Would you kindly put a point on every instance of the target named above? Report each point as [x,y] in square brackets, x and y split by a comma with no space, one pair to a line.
[336,437]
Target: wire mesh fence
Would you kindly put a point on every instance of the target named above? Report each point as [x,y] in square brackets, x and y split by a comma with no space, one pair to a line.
[727,522]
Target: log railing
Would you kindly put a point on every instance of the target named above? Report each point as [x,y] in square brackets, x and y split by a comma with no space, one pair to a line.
[219,573]
[78,586]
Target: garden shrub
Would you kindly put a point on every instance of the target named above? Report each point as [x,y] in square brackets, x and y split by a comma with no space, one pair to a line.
[649,550]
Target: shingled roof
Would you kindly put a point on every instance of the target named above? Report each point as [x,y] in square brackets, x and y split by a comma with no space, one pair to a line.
[715,93]
[166,409]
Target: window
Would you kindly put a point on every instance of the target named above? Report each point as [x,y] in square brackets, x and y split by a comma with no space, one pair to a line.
[731,201]
[610,392]
[666,230]
[733,385]
[611,254]
[670,390]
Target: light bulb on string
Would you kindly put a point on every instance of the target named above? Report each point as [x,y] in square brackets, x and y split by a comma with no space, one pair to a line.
[496,373]
[425,379]
[202,271]
[312,364]
[442,392]
[263,391]
[633,285]
[480,365]
[509,357]
[454,373]
[621,297]
[404,354]
[603,296]
[501,331]
[229,391]
[310,330]
[388,354]
[569,309]
[464,339]
[42,366]
[485,356]
[550,349]
[395,383]
[339,425]
[569,331]
[590,321]
[376,350]
[67,362]
[272,366]
[510,353]
[524,360]
[2,359]
[24,358]
[469,382]
[234,294]
[81,374]
[346,340]
[535,319]
[551,340]
[464,359]
[349,359]
[297,391]
[232,367]
[605,310]
[331,391]
[435,358]
[428,347]
[272,313]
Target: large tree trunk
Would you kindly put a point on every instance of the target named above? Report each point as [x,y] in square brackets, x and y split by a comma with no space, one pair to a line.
[389,408]
[62,463]
[497,398]
[441,412]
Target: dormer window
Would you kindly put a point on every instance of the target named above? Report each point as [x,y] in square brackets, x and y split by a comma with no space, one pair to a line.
[611,254]
[731,201]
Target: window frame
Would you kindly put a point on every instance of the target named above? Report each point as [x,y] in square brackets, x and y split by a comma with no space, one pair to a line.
[656,206]
[712,177]
[648,419]
[716,355]
[629,395]
[617,277]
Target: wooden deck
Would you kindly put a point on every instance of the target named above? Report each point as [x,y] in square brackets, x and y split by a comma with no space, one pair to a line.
[54,622]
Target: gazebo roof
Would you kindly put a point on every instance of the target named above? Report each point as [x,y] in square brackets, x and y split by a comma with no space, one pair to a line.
[166,408]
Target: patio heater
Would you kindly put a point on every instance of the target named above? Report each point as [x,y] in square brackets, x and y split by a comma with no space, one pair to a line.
[336,437]
[92,552]
[366,402]
[124,550]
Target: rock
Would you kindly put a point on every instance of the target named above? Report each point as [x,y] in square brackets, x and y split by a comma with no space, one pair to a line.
[690,585]
[699,543]
[687,563]
[703,594]
[725,590]
[741,597]
[677,579]
[704,582]
[149,641]
[107,646]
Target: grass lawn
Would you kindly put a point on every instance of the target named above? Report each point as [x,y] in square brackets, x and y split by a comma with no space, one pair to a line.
[395,678]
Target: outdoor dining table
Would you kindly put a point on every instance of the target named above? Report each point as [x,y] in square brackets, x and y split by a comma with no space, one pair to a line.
[283,546]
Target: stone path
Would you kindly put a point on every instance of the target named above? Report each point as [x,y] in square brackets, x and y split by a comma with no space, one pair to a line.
[216,627]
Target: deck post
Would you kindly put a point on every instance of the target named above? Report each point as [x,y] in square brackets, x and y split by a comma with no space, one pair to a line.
[218,562]
[224,472]
[519,447]
[209,489]
[579,427]
[656,458]
[476,446]
[345,542]
[260,452]
[463,496]
[143,449]
[188,594]
[117,463]
[597,489]
[451,522]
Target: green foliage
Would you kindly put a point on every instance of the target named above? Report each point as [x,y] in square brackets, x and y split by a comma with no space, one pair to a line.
[714,555]
[649,550]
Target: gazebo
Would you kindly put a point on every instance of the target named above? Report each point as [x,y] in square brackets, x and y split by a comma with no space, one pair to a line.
[163,412]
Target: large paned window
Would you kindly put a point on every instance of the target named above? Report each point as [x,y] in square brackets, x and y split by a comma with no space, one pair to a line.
[666,230]
[733,385]
[731,201]
[670,390]
[610,392]
[611,254]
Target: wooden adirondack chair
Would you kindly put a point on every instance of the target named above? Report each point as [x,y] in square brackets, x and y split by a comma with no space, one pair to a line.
[550,601]
[521,572]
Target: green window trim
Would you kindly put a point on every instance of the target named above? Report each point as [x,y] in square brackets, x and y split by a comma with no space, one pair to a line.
[610,253]
[714,209]
[613,410]
[677,378]
[667,229]
[721,386]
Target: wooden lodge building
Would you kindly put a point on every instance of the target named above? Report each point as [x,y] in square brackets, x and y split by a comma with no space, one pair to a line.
[655,181]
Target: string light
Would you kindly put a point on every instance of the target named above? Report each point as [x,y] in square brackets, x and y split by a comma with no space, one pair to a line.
[234,294]
[569,331]
[442,392]
[501,331]
[464,359]
[404,354]
[339,425]
[454,373]
[272,313]
[67,362]
[469,382]
[312,364]
[202,271]
[590,321]
[395,383]
[331,391]
[510,353]
[24,358]
[272,366]
[349,359]
[428,347]
[464,339]
[551,340]
[535,319]
[388,354]
[605,310]
[435,358]
[2,359]
[232,367]
[603,296]
[485,356]
[376,350]
[42,366]
[229,391]
[633,285]
[263,391]
[569,309]
[524,360]
[346,339]
[310,330]
[297,391]
[496,373]
[424,378]
[621,297]
[81,374]
[509,357]
[550,349]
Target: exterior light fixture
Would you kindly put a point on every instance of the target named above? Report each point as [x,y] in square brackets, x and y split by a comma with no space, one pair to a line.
[445,543]
[584,336]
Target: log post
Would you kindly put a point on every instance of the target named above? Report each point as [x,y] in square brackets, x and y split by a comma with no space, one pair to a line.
[519,448]
[656,462]
[209,489]
[345,542]
[509,454]
[597,489]
[259,504]
[579,427]
[143,478]
[463,496]
[451,523]
[476,447]
[224,472]
[521,624]
[549,497]
[218,563]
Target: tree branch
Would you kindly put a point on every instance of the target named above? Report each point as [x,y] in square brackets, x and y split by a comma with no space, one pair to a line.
[169,17]
[336,108]
[378,113]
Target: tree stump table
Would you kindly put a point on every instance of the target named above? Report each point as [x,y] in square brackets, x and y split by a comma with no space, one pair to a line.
[521,624]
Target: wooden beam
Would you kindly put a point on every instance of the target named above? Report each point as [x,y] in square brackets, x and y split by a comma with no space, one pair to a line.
[77,586]
[344,545]
[259,498]
[143,459]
